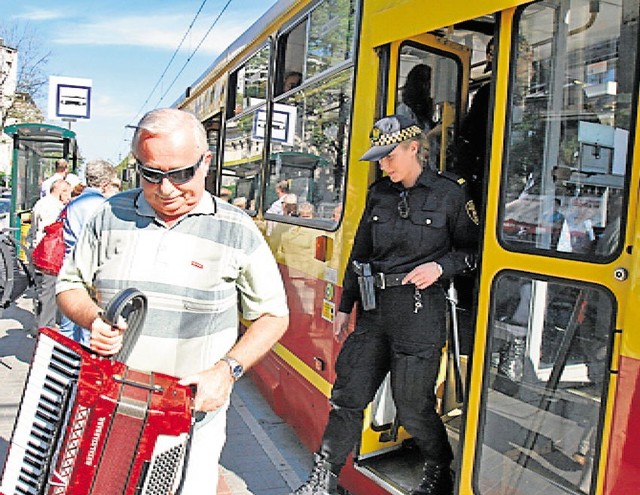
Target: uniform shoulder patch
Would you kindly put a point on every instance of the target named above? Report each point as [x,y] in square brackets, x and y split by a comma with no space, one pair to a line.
[453,177]
[472,213]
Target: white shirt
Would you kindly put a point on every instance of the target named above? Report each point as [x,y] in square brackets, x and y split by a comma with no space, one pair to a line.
[276,207]
[44,212]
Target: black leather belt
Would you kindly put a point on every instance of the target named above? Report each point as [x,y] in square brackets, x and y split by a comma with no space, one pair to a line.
[383,280]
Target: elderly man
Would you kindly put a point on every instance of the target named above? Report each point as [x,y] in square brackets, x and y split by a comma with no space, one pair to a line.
[193,255]
[62,169]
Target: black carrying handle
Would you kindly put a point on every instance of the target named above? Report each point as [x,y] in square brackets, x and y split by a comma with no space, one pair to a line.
[131,305]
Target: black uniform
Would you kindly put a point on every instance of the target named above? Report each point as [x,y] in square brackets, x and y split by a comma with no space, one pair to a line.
[406,331]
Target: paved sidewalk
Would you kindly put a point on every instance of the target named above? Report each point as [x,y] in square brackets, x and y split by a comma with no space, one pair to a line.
[262,455]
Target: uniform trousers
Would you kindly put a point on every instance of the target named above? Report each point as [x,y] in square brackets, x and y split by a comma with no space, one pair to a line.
[393,338]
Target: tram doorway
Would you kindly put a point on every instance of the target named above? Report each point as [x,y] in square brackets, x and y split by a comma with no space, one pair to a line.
[431,78]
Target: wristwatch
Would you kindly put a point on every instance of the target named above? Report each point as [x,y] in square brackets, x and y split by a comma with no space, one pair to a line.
[237,370]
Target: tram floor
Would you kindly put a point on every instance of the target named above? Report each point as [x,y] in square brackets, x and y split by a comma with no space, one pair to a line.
[526,450]
[401,469]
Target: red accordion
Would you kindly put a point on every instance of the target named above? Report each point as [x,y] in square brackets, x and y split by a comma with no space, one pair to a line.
[91,425]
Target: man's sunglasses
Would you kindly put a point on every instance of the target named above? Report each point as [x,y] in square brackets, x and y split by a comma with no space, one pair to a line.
[178,176]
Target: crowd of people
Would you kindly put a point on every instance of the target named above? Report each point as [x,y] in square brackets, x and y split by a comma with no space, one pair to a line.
[63,195]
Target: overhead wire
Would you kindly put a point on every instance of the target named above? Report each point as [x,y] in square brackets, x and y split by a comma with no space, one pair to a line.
[175,53]
[132,125]
[195,50]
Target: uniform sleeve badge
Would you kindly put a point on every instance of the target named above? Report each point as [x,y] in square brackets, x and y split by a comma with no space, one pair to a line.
[472,213]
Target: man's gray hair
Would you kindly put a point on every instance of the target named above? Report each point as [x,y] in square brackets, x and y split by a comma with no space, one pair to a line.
[98,173]
[163,121]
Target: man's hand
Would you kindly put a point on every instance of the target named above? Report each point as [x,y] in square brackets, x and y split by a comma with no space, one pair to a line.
[106,339]
[213,387]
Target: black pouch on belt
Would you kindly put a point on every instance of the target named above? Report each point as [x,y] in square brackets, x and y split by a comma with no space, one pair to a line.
[366,283]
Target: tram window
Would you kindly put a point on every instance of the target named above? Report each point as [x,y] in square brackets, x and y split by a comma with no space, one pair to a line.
[321,41]
[243,147]
[570,122]
[212,127]
[429,92]
[549,347]
[292,49]
[249,83]
[331,29]
[309,151]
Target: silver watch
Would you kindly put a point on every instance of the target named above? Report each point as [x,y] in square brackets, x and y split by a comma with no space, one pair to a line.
[237,370]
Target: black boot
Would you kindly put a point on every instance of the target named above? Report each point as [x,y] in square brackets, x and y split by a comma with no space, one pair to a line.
[323,479]
[436,480]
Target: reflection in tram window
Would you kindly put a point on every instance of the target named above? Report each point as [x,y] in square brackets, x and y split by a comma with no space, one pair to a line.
[549,353]
[310,121]
[570,111]
[242,158]
[311,157]
[251,82]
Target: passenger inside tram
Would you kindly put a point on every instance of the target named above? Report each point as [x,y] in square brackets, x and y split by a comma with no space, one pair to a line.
[291,80]
[470,148]
[417,101]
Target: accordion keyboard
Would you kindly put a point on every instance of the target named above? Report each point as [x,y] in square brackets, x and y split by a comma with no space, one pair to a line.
[52,379]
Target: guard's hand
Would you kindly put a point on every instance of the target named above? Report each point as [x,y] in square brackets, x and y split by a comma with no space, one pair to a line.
[213,387]
[422,276]
[106,339]
[341,326]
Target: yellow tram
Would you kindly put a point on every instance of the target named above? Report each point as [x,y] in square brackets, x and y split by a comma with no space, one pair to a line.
[543,336]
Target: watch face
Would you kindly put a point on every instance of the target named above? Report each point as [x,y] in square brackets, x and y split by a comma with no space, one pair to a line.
[236,371]
[236,368]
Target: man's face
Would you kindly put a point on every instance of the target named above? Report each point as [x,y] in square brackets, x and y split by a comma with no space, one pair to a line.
[172,152]
[65,194]
[292,81]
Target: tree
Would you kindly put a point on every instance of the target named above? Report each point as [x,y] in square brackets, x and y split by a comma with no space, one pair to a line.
[32,60]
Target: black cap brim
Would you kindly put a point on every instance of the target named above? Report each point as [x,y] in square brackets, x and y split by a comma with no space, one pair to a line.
[376,153]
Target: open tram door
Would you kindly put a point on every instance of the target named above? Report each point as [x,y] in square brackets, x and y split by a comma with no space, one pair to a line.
[440,64]
[555,315]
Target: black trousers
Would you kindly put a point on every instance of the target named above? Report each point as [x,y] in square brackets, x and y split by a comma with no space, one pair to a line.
[393,338]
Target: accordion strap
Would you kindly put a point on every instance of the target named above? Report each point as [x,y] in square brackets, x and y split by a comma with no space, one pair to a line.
[130,304]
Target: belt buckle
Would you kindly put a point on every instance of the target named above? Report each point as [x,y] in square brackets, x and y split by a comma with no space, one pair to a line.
[380,280]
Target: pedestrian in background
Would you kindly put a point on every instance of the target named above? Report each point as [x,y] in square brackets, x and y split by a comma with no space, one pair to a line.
[62,168]
[99,177]
[46,211]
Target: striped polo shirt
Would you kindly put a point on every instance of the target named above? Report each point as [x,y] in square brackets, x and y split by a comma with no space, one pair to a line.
[196,274]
